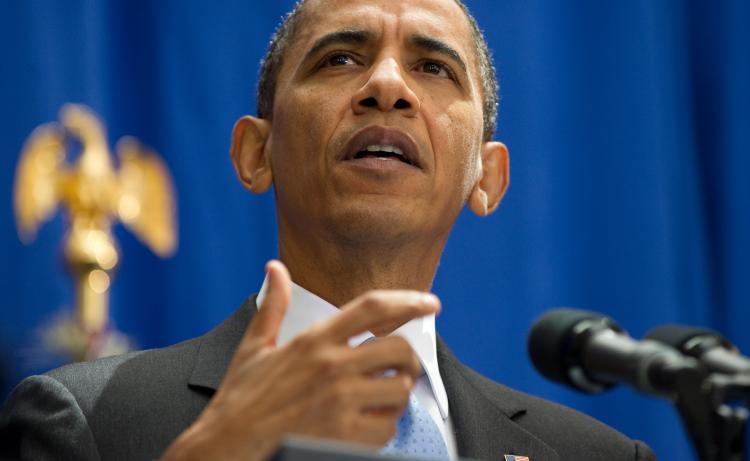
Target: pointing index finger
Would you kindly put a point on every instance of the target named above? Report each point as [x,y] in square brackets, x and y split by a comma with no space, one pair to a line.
[378,309]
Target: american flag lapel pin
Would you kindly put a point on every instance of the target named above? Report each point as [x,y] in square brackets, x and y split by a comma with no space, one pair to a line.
[516,458]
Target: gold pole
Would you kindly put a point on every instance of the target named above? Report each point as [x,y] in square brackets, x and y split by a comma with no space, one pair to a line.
[93,300]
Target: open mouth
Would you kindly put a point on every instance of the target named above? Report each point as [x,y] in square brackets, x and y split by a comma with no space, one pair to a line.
[383,144]
[383,153]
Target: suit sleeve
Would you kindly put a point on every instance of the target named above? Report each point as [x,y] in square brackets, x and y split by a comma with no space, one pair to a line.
[43,421]
[643,452]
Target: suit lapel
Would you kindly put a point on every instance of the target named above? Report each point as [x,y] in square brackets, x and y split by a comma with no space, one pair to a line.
[217,348]
[483,415]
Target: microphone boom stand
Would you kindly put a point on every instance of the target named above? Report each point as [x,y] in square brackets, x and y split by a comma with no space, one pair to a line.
[710,406]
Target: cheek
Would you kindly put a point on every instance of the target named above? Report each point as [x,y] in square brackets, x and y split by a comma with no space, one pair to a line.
[302,126]
[292,123]
[457,141]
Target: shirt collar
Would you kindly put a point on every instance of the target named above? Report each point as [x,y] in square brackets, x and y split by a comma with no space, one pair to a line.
[305,309]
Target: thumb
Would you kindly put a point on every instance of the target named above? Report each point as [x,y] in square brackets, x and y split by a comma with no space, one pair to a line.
[265,326]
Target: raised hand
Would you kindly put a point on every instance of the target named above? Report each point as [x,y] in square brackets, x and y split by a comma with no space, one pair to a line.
[316,385]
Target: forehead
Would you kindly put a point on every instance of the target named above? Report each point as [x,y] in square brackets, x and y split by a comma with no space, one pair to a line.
[441,19]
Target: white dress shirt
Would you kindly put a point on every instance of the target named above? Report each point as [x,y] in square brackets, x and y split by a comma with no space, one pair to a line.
[306,309]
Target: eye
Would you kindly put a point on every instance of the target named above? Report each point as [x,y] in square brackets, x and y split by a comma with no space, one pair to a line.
[435,68]
[338,59]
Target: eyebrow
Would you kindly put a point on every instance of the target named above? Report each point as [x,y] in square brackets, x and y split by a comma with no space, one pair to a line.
[347,37]
[359,36]
[437,46]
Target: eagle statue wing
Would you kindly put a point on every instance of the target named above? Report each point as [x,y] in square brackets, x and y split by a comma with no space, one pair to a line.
[145,203]
[36,192]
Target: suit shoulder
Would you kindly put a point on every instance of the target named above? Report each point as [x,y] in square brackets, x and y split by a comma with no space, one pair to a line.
[41,420]
[86,381]
[128,406]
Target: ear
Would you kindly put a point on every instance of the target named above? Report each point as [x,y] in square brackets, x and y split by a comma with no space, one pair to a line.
[494,168]
[249,153]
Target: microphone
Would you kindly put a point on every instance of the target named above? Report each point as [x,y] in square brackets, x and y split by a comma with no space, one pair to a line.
[711,349]
[591,353]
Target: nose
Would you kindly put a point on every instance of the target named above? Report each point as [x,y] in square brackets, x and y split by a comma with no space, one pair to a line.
[386,90]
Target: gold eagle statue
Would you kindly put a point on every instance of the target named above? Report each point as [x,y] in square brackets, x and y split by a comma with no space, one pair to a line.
[94,194]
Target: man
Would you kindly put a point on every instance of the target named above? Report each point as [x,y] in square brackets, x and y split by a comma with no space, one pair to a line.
[375,124]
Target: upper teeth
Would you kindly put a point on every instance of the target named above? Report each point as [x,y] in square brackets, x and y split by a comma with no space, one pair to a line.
[377,148]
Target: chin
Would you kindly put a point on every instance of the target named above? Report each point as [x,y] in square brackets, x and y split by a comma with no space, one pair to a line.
[381,223]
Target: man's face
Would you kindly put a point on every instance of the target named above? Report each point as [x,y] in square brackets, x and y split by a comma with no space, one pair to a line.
[377,120]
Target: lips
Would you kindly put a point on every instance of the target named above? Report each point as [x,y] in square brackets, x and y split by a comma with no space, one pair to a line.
[385,144]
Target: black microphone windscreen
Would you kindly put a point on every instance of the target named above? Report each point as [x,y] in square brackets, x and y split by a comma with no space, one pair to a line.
[550,341]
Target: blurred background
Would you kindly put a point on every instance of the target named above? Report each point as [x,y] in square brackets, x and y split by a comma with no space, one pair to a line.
[628,124]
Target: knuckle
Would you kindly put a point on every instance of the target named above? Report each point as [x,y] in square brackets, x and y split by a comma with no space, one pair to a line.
[304,342]
[416,367]
[370,300]
[405,385]
[373,299]
[328,362]
[248,347]
[249,352]
[403,350]
[402,345]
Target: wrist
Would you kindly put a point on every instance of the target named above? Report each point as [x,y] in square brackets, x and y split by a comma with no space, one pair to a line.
[215,438]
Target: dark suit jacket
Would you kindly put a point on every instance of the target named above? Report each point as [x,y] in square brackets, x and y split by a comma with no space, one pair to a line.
[132,407]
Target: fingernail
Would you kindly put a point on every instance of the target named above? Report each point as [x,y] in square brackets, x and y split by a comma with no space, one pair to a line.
[270,264]
[430,300]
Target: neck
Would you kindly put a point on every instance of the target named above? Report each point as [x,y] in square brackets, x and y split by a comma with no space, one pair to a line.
[339,270]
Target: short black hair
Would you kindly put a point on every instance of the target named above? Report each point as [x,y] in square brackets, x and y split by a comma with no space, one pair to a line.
[291,23]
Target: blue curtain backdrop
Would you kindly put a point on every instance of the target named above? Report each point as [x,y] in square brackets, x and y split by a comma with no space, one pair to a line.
[628,124]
